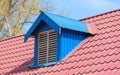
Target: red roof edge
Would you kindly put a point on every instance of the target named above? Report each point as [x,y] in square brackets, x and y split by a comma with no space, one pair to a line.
[92,28]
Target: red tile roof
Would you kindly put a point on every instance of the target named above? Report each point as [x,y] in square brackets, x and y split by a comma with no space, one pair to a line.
[98,55]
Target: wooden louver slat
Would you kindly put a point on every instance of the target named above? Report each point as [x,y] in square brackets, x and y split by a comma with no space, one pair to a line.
[42,48]
[47,42]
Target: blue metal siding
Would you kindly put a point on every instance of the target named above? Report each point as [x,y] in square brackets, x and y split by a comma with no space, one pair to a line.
[69,40]
[44,27]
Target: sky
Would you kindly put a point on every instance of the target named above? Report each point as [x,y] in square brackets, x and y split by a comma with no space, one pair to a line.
[78,9]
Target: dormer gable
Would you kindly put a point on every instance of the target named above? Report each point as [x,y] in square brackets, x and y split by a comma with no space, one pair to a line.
[55,37]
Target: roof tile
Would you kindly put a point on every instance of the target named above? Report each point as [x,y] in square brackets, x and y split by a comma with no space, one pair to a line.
[99,55]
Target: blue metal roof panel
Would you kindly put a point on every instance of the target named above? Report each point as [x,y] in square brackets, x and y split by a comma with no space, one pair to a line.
[68,23]
[59,21]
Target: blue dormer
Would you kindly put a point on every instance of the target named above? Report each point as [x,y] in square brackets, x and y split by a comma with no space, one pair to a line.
[55,37]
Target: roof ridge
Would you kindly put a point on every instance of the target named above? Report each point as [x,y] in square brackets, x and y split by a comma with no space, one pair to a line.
[62,16]
[100,14]
[12,37]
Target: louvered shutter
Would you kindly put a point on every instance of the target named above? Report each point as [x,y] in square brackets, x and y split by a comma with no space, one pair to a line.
[42,48]
[52,46]
[47,42]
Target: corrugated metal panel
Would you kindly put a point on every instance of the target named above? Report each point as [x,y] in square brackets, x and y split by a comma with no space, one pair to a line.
[56,22]
[69,40]
[68,23]
[47,46]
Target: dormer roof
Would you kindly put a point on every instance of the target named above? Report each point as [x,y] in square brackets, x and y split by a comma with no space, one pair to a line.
[58,22]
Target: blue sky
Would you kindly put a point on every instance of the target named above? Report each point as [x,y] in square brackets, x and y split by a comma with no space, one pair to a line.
[78,9]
